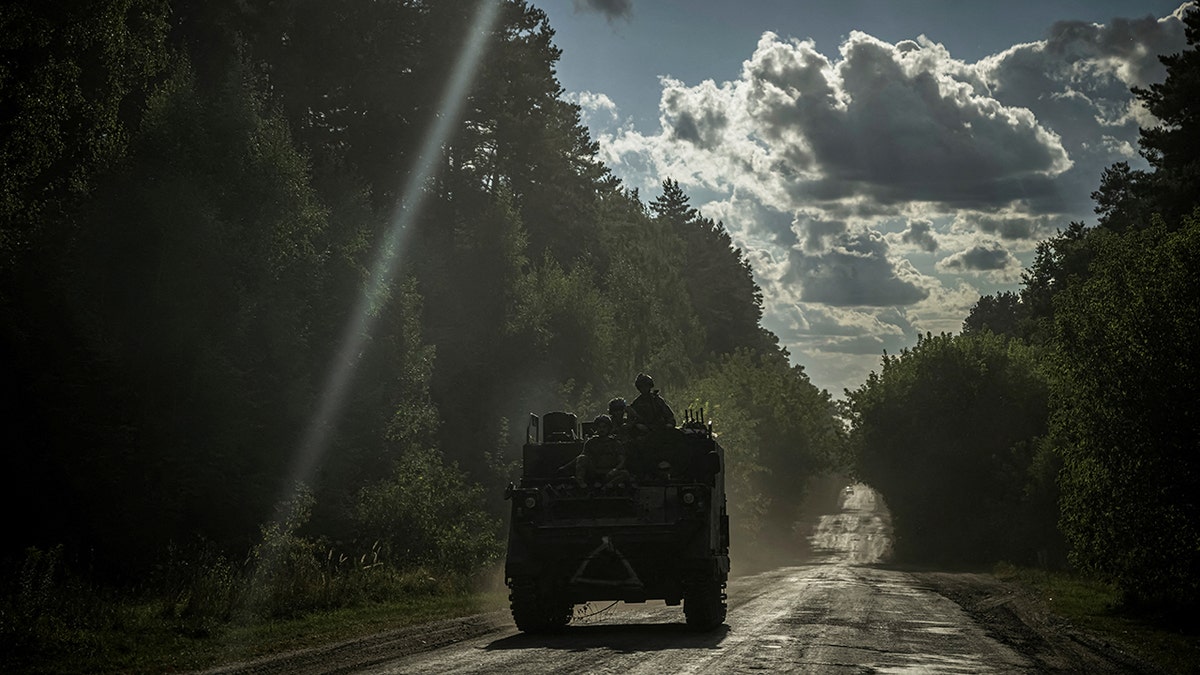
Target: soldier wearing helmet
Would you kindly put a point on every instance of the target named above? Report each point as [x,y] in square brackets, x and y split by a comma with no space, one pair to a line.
[650,410]
[622,418]
[603,456]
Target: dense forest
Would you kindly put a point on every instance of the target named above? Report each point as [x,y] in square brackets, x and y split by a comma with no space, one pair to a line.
[280,283]
[1060,426]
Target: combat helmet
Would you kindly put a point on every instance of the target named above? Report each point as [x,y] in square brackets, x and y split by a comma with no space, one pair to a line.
[616,406]
[643,380]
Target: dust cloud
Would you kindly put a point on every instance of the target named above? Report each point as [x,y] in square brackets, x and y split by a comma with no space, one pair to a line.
[859,532]
[840,520]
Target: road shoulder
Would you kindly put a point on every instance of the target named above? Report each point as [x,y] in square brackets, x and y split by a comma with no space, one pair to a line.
[1018,617]
[362,652]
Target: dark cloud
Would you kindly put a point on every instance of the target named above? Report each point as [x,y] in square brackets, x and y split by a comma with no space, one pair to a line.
[1014,228]
[886,123]
[986,257]
[758,220]
[1076,82]
[1132,45]
[856,272]
[816,232]
[920,232]
[703,129]
[611,9]
[890,125]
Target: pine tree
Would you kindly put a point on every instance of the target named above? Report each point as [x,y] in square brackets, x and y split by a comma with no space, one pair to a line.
[719,279]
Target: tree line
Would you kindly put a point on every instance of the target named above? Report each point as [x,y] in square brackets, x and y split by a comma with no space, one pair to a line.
[1058,427]
[193,199]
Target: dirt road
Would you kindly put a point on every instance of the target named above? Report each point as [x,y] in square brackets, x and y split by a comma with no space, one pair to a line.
[841,613]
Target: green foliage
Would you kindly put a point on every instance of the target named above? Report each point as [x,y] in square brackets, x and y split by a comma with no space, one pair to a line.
[778,430]
[1113,303]
[1059,261]
[738,432]
[426,513]
[30,606]
[198,606]
[1096,607]
[286,572]
[720,284]
[200,588]
[661,332]
[573,322]
[48,608]
[415,419]
[948,432]
[191,375]
[71,84]
[1173,147]
[1126,340]
[1001,313]
[1112,310]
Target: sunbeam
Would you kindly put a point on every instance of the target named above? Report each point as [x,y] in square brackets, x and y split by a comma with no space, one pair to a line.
[341,372]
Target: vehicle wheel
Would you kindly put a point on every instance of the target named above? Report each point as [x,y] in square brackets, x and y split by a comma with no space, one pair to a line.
[704,605]
[535,613]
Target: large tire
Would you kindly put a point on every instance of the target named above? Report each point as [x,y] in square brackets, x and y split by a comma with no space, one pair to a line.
[704,605]
[534,612]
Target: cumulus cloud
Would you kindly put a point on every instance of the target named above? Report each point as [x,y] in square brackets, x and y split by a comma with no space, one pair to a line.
[816,231]
[844,330]
[920,233]
[880,127]
[1015,227]
[839,175]
[611,9]
[883,126]
[838,346]
[1127,49]
[759,226]
[593,105]
[887,123]
[857,271]
[1076,82]
[987,257]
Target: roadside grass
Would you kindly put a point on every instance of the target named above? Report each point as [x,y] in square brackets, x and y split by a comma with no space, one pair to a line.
[1095,606]
[201,610]
[136,638]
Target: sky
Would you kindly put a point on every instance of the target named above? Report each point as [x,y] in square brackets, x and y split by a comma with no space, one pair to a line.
[881,163]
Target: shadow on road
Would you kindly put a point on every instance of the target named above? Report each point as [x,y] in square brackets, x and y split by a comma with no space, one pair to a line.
[626,638]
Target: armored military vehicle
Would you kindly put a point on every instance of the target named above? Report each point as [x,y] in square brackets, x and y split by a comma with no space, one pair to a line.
[658,532]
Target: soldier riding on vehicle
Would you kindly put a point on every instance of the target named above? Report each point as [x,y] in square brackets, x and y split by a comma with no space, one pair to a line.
[649,408]
[603,457]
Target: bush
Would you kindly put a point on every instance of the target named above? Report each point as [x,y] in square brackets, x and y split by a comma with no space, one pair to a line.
[426,514]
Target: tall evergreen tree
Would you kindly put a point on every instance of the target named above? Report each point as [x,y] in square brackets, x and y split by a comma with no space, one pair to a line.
[1128,197]
[718,277]
[1173,147]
